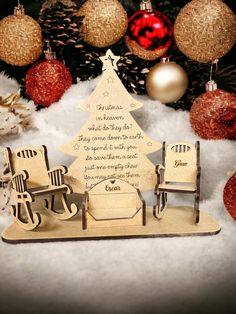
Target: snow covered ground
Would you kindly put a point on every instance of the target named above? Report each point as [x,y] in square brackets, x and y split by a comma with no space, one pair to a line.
[160,275]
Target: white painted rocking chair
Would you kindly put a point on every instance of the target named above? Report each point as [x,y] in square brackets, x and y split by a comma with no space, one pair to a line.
[31,177]
[179,173]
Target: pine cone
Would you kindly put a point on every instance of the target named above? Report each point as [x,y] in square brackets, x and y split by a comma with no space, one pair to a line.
[83,61]
[61,25]
[133,72]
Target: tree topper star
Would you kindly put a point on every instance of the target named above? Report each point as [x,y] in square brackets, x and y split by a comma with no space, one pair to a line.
[109,60]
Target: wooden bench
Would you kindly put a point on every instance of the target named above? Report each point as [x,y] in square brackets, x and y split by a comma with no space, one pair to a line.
[113,202]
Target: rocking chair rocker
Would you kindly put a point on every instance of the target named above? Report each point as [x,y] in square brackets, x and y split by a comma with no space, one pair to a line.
[31,177]
[179,173]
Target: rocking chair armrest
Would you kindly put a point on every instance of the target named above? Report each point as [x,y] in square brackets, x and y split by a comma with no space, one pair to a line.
[63,169]
[56,175]
[159,169]
[19,180]
[160,175]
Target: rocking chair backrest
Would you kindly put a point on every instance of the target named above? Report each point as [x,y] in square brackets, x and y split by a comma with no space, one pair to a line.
[181,162]
[34,161]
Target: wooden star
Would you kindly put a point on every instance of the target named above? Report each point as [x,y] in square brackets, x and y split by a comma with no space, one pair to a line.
[109,60]
[76,147]
[110,80]
[106,94]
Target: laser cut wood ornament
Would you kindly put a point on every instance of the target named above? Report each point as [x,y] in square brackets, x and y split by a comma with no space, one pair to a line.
[111,209]
[111,203]
[111,143]
[110,169]
[31,177]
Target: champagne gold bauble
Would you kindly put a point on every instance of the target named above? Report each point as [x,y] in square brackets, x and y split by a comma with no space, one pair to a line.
[205,30]
[105,22]
[20,38]
[166,82]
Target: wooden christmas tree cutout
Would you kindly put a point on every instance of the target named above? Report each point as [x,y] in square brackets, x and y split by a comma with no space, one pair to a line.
[111,143]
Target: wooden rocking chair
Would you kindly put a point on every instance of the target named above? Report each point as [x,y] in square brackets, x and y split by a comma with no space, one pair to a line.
[31,177]
[179,173]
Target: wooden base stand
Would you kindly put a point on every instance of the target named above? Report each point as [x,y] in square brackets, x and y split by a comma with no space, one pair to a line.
[178,221]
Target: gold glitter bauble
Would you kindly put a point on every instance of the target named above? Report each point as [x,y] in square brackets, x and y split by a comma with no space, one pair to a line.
[20,40]
[166,82]
[205,30]
[105,22]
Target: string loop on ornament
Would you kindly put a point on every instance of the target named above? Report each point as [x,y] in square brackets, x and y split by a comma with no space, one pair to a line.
[49,54]
[215,62]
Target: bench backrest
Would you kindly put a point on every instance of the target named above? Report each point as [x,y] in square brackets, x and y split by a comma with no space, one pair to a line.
[113,199]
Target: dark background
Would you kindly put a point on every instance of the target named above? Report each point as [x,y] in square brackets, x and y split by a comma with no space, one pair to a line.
[84,68]
[33,7]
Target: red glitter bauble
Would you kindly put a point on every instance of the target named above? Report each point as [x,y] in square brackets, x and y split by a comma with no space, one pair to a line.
[230,196]
[149,34]
[213,115]
[47,81]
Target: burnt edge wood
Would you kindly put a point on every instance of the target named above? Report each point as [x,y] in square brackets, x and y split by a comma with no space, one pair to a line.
[85,205]
[24,196]
[100,238]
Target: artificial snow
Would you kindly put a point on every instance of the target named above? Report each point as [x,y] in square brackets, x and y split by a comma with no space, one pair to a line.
[152,275]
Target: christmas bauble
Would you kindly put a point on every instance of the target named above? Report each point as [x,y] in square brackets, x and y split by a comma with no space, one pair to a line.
[166,82]
[205,30]
[47,81]
[104,23]
[149,34]
[20,38]
[229,195]
[213,115]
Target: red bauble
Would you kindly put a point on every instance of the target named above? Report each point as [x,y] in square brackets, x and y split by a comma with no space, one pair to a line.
[213,115]
[149,34]
[47,81]
[230,196]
